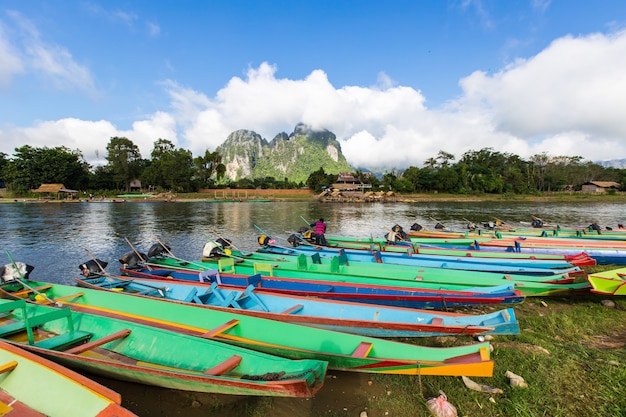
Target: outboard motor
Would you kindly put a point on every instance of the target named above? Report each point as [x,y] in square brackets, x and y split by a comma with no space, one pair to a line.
[93,267]
[439,226]
[212,250]
[263,240]
[13,272]
[225,243]
[133,259]
[537,223]
[294,240]
[416,227]
[595,226]
[157,249]
[303,229]
[398,234]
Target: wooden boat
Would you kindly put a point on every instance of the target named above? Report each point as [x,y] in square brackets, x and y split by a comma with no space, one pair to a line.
[390,295]
[611,282]
[134,352]
[468,263]
[349,317]
[32,386]
[382,274]
[342,351]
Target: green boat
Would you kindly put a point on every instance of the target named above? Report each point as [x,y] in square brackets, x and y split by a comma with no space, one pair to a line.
[611,282]
[33,386]
[139,353]
[387,275]
[342,351]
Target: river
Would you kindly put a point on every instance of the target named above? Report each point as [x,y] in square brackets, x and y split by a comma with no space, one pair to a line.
[56,238]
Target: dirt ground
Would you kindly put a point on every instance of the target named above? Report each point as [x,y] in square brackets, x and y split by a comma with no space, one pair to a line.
[343,393]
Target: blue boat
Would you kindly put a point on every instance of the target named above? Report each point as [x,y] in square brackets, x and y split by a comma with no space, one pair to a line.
[397,296]
[603,256]
[349,317]
[500,265]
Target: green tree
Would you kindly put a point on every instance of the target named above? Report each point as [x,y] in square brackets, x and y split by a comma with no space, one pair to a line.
[207,167]
[319,179]
[169,168]
[4,161]
[124,160]
[412,175]
[30,167]
[102,178]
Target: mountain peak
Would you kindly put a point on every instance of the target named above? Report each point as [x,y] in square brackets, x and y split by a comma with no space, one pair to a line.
[295,156]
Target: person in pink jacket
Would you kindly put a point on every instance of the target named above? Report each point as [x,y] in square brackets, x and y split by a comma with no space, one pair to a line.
[319,230]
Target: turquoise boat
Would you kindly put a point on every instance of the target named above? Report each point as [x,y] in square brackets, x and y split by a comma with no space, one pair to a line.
[342,351]
[349,317]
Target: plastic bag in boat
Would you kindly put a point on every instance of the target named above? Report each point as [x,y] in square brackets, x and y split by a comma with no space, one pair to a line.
[15,271]
[212,249]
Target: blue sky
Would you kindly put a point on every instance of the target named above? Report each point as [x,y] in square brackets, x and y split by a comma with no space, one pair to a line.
[396,81]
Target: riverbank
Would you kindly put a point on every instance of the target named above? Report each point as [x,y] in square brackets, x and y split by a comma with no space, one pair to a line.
[269,195]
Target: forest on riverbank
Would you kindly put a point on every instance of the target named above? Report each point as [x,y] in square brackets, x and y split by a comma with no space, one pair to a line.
[477,173]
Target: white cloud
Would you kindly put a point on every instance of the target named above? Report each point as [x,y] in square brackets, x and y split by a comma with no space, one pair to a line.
[11,63]
[567,100]
[52,62]
[90,137]
[153,29]
[575,85]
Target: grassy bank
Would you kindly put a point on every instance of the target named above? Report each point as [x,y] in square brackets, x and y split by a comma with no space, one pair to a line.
[570,351]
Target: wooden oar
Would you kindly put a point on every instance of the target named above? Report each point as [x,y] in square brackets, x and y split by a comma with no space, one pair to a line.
[437,221]
[22,279]
[223,238]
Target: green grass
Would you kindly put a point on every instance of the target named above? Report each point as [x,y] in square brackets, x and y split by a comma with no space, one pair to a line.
[571,352]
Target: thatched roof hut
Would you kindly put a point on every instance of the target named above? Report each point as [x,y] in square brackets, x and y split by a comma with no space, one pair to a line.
[55,190]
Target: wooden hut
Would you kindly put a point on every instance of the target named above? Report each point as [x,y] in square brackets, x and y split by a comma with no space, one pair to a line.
[599,186]
[55,192]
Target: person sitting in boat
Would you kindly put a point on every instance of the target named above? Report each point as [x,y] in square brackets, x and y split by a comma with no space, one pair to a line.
[320,229]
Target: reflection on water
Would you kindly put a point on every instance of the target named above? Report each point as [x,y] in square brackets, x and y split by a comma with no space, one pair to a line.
[56,238]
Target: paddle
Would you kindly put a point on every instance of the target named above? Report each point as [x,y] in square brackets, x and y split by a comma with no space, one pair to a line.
[138,254]
[443,226]
[22,278]
[223,238]
[203,267]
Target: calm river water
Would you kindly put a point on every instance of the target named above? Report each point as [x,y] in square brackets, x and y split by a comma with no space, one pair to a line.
[57,237]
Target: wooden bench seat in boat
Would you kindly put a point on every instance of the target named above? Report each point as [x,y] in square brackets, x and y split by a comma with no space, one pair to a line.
[224,366]
[363,350]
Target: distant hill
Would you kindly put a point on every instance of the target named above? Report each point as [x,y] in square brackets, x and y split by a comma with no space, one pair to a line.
[295,156]
[613,163]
